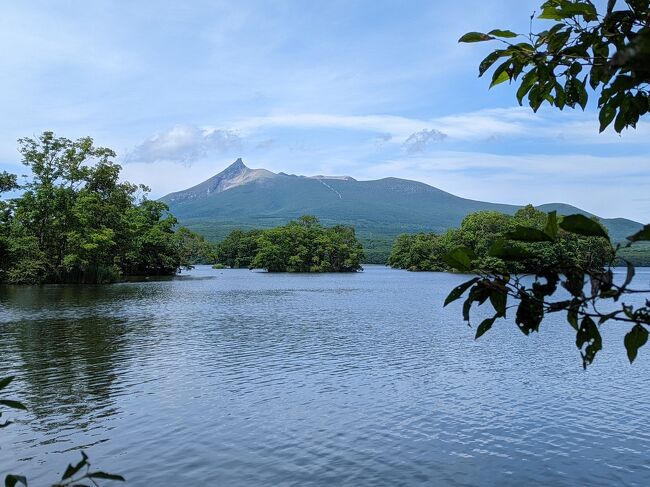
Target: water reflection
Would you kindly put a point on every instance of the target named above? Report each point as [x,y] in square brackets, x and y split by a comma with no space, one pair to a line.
[68,367]
[68,345]
[235,378]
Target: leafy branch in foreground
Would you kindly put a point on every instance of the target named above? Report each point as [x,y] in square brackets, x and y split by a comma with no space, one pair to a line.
[586,288]
[608,51]
[73,475]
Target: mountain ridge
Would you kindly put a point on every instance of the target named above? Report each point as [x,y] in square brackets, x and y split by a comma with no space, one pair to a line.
[381,209]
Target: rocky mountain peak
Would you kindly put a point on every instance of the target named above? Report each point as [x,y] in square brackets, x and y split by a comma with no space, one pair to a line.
[234,169]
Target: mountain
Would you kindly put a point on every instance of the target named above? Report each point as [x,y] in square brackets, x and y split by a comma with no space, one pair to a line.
[240,197]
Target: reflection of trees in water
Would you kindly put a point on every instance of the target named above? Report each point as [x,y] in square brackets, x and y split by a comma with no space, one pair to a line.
[71,342]
[69,367]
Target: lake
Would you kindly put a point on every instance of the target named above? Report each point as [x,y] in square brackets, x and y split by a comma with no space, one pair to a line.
[239,378]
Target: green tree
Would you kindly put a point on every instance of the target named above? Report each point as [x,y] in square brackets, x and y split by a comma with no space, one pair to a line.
[303,245]
[8,182]
[423,251]
[585,49]
[613,48]
[195,249]
[238,249]
[77,222]
[480,231]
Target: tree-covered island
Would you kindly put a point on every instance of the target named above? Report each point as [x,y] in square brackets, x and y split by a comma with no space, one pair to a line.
[75,221]
[303,245]
[479,231]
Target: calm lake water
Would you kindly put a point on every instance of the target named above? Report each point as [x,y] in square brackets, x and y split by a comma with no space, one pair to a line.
[238,378]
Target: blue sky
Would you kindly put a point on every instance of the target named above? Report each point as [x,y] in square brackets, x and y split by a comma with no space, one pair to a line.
[368,89]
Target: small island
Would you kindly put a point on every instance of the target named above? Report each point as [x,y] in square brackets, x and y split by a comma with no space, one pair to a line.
[480,231]
[303,245]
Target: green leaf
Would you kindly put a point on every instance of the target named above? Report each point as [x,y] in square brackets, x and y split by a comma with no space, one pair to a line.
[575,68]
[458,291]
[558,41]
[574,281]
[585,9]
[529,79]
[529,314]
[478,294]
[572,318]
[467,305]
[71,470]
[475,37]
[606,115]
[551,227]
[489,60]
[12,480]
[582,225]
[484,326]
[460,259]
[497,79]
[535,97]
[502,33]
[635,339]
[560,96]
[499,301]
[588,335]
[551,13]
[643,234]
[629,274]
[527,234]
[582,93]
[541,290]
[601,281]
[106,476]
[5,382]
[621,121]
[505,252]
[13,404]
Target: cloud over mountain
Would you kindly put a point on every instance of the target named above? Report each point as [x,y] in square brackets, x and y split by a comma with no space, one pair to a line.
[418,142]
[185,144]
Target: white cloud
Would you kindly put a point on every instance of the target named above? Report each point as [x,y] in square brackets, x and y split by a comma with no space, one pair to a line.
[573,128]
[395,126]
[418,142]
[184,144]
[586,181]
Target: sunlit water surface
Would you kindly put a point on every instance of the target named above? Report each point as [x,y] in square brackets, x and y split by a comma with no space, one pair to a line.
[238,378]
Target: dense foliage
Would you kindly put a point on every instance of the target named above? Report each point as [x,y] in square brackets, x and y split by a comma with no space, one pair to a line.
[608,51]
[479,231]
[303,245]
[588,293]
[614,46]
[77,222]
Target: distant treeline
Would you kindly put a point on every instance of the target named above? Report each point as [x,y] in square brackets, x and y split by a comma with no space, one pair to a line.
[480,230]
[638,255]
[76,222]
[303,245]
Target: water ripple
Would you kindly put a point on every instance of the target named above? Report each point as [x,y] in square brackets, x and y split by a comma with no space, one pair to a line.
[238,378]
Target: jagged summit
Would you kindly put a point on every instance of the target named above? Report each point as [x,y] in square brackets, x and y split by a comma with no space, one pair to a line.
[238,165]
[237,174]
